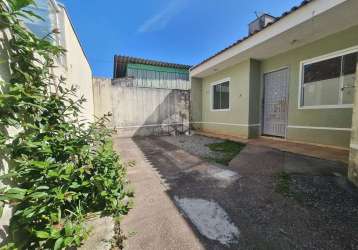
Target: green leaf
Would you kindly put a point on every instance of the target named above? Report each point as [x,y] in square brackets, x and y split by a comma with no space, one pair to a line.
[2,205]
[40,164]
[75,185]
[68,241]
[19,4]
[52,173]
[58,244]
[7,176]
[38,195]
[16,191]
[55,233]
[32,14]
[42,235]
[13,194]
[68,229]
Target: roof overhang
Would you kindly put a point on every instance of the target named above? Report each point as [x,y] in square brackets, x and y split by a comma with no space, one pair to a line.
[316,20]
[55,5]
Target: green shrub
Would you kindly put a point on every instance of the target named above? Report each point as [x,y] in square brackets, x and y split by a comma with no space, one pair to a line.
[62,168]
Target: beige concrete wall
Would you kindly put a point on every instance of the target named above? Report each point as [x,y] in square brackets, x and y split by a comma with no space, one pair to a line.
[141,111]
[149,111]
[334,118]
[353,164]
[102,97]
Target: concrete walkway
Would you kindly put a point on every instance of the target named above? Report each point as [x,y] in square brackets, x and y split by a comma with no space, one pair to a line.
[183,202]
[154,222]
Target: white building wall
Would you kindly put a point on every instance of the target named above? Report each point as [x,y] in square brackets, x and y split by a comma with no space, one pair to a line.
[76,66]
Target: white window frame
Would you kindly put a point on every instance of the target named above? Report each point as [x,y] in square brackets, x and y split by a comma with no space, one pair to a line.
[228,79]
[319,59]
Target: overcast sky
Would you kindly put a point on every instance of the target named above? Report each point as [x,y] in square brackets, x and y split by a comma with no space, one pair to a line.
[179,31]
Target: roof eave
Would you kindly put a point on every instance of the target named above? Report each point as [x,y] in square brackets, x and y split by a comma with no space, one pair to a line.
[288,21]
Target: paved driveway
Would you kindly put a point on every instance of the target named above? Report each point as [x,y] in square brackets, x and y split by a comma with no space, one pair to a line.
[184,202]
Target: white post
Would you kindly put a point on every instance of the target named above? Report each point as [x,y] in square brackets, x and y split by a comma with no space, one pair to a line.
[353,162]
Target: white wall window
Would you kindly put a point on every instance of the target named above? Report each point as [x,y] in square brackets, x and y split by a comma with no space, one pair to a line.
[328,81]
[220,95]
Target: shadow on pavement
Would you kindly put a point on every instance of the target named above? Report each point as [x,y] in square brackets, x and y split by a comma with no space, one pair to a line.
[237,207]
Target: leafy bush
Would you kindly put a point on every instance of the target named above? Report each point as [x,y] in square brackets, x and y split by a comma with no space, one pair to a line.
[62,168]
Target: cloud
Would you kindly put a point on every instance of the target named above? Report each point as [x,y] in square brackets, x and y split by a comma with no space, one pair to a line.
[161,19]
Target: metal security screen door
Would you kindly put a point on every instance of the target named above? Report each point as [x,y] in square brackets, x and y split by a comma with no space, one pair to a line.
[275,103]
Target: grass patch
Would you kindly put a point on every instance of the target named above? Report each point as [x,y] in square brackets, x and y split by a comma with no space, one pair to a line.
[227,151]
[283,181]
[283,186]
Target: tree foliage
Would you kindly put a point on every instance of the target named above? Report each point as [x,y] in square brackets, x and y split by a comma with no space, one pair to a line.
[62,168]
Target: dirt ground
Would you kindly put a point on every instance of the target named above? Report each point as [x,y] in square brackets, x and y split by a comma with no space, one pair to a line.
[241,207]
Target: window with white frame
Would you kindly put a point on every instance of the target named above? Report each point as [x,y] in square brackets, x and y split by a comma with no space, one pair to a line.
[221,95]
[329,81]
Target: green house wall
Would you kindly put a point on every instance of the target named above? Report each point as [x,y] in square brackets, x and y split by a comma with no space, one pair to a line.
[232,122]
[331,118]
[246,97]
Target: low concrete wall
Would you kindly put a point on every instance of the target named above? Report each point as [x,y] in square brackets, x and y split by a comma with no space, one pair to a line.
[138,111]
[353,164]
[102,97]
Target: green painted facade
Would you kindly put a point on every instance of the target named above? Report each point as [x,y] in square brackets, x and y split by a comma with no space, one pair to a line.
[246,96]
[333,118]
[196,104]
[233,121]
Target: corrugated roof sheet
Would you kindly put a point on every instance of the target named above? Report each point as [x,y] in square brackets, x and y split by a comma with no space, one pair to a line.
[293,9]
[121,62]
